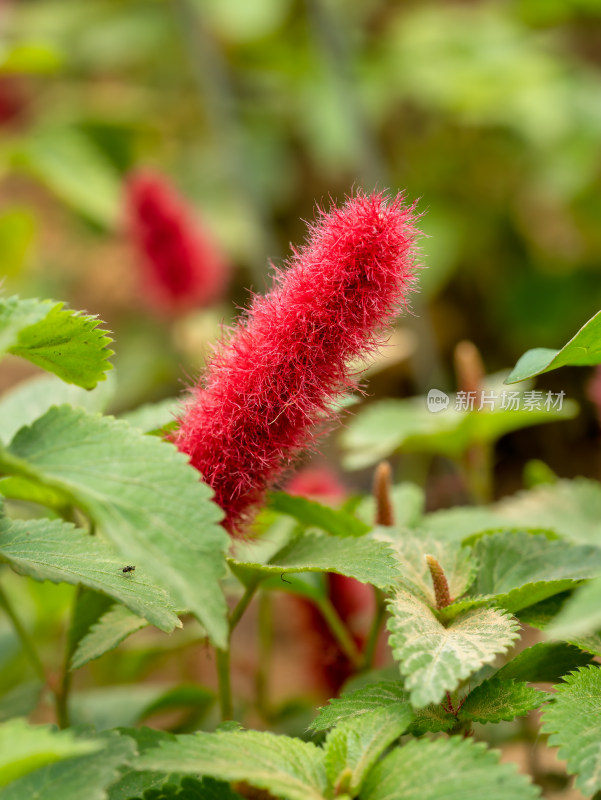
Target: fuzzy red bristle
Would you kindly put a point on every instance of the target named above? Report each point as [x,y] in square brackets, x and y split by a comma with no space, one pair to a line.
[268,389]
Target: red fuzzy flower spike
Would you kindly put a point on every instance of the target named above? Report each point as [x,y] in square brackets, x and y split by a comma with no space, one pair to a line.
[270,385]
[182,267]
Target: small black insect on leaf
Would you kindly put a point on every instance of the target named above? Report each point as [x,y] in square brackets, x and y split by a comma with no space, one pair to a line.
[128,568]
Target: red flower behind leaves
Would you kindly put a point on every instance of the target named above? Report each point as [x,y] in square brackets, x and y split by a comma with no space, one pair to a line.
[182,267]
[269,386]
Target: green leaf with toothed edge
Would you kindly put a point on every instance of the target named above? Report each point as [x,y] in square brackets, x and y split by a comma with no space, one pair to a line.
[544,662]
[571,508]
[113,627]
[583,349]
[518,569]
[351,705]
[65,342]
[384,694]
[361,558]
[352,748]
[25,748]
[83,778]
[311,514]
[574,722]
[496,700]
[286,767]
[53,550]
[581,614]
[133,784]
[446,769]
[27,401]
[435,659]
[143,496]
[542,615]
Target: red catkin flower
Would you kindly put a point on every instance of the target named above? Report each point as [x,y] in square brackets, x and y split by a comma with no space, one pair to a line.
[269,387]
[182,267]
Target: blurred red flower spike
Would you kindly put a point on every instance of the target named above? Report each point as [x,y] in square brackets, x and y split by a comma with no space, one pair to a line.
[181,266]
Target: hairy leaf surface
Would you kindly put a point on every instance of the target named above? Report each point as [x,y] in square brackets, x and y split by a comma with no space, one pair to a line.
[142,495]
[435,659]
[65,342]
[446,769]
[574,722]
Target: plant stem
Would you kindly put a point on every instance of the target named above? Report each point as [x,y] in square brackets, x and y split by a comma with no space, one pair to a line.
[372,639]
[211,74]
[340,632]
[26,640]
[62,697]
[225,684]
[478,461]
[242,605]
[223,656]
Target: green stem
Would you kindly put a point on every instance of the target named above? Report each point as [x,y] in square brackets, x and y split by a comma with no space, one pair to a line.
[478,460]
[242,605]
[62,698]
[223,656]
[376,626]
[225,684]
[26,640]
[340,632]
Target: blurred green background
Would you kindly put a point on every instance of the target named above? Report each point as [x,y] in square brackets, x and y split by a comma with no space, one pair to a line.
[489,112]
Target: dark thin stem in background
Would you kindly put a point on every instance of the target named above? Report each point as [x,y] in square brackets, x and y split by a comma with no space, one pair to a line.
[26,640]
[211,74]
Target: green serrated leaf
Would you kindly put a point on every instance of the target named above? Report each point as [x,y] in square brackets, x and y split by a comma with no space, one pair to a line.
[364,559]
[518,569]
[25,748]
[583,349]
[352,748]
[288,768]
[107,633]
[52,550]
[83,778]
[495,700]
[446,769]
[349,706]
[435,659]
[32,398]
[431,719]
[133,783]
[571,508]
[88,609]
[574,722]
[581,614]
[545,662]
[67,343]
[142,495]
[543,614]
[315,515]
